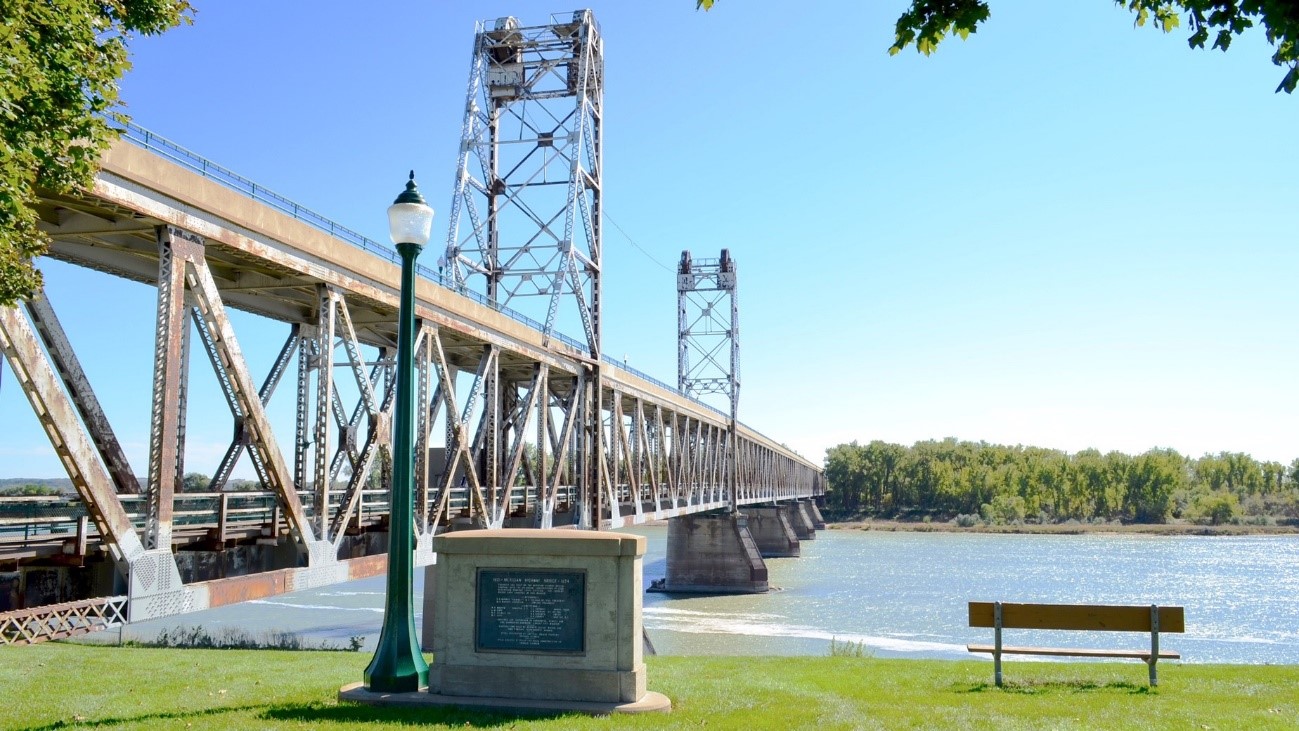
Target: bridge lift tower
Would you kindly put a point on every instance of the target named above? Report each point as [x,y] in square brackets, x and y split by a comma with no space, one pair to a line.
[525,228]
[529,175]
[708,343]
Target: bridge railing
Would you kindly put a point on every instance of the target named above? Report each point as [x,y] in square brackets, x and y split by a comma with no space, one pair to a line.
[193,162]
[196,163]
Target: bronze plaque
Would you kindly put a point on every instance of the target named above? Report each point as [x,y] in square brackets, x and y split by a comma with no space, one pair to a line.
[531,610]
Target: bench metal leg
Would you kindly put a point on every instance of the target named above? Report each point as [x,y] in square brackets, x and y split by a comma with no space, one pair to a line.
[996,655]
[1154,644]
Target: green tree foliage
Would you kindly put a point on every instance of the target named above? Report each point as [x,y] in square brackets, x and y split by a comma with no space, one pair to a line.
[948,478]
[1005,509]
[60,61]
[1216,508]
[927,22]
[29,491]
[195,482]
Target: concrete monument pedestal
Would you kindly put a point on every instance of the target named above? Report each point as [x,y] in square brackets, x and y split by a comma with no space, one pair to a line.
[535,621]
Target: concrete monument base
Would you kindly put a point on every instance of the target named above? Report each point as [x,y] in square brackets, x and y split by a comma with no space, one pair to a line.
[651,702]
[522,617]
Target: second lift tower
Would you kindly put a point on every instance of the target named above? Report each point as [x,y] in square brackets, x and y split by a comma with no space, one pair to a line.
[708,342]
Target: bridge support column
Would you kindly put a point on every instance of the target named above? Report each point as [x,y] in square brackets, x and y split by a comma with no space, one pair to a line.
[799,520]
[713,553]
[772,531]
[813,513]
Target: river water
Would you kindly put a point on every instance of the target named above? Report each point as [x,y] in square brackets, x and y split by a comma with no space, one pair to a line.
[904,595]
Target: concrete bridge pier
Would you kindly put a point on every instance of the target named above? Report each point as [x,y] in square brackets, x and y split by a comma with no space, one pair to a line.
[814,513]
[713,553]
[799,519]
[772,531]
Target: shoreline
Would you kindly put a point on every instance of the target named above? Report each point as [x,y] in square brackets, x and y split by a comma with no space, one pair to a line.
[1159,529]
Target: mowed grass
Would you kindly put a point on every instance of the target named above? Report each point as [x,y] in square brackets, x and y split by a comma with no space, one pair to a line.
[54,686]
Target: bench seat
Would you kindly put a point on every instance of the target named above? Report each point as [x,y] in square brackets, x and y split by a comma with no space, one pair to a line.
[1075,652]
[1082,617]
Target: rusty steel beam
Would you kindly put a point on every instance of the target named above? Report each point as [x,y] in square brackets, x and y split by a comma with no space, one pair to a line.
[239,443]
[424,419]
[326,327]
[208,301]
[58,417]
[68,366]
[378,440]
[308,353]
[165,457]
[220,592]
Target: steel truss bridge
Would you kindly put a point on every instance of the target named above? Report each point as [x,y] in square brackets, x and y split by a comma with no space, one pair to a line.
[517,426]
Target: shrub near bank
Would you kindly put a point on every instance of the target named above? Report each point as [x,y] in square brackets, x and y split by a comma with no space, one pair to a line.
[70,686]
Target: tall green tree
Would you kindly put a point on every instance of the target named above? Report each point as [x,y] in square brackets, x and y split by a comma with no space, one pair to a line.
[1152,479]
[60,62]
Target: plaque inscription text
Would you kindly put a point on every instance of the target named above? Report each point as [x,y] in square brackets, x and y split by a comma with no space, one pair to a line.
[531,610]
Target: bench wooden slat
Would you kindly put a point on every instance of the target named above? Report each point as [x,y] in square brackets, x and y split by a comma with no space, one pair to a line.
[1074,652]
[1077,617]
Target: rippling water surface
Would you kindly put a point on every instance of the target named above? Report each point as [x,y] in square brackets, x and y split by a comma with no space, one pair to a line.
[905,594]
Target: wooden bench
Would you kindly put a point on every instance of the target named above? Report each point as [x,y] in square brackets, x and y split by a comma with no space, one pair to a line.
[1153,619]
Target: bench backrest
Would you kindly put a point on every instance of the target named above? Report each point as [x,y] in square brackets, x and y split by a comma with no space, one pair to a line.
[1077,616]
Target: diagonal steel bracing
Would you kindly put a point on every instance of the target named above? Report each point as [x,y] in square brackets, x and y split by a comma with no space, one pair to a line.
[68,366]
[240,441]
[57,415]
[183,267]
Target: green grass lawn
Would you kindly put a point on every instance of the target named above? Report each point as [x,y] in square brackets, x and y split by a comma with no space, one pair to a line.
[74,686]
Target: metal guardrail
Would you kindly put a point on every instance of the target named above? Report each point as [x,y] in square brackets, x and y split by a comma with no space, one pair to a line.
[57,621]
[165,148]
[40,520]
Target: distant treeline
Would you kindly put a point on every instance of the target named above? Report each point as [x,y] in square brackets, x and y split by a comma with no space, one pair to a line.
[951,479]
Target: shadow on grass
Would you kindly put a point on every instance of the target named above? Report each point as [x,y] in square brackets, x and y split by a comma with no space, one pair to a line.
[319,713]
[1040,687]
[78,722]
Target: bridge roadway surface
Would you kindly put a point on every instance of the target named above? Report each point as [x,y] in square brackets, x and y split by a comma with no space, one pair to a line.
[609,446]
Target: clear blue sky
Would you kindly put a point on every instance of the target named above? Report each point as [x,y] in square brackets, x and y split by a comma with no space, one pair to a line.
[1065,231]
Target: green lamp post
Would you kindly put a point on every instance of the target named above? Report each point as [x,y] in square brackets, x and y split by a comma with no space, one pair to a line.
[398,666]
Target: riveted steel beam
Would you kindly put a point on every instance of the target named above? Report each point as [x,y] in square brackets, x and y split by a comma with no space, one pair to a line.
[75,448]
[166,452]
[68,366]
[239,443]
[262,439]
